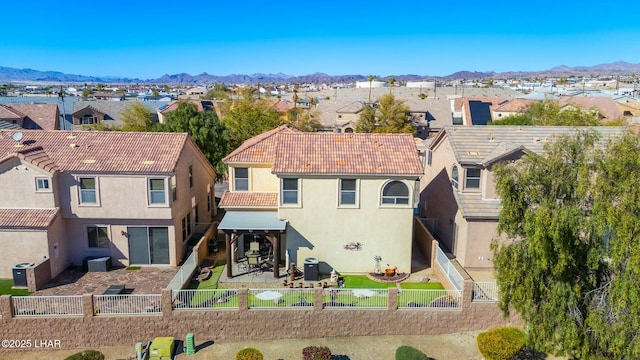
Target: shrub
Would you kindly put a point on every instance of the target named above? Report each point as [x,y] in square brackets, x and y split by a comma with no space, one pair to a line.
[87,355]
[501,343]
[316,353]
[249,354]
[405,352]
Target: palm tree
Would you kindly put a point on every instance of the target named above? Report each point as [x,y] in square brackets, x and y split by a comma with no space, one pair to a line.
[391,80]
[370,79]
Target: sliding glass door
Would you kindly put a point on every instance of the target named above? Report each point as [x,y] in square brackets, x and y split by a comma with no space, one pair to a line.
[148,245]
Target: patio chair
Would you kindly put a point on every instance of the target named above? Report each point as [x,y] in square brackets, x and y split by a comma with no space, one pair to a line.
[254,246]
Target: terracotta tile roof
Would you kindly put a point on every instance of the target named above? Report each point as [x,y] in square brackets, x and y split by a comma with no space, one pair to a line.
[26,218]
[258,149]
[97,151]
[513,105]
[339,153]
[248,199]
[45,116]
[605,105]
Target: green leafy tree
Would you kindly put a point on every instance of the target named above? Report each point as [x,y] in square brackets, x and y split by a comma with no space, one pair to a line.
[304,120]
[571,268]
[137,117]
[207,131]
[367,122]
[219,91]
[392,116]
[248,118]
[391,80]
[86,93]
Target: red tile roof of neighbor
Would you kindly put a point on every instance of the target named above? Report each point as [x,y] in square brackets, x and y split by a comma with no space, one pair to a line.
[249,199]
[26,218]
[258,149]
[96,151]
[45,115]
[605,105]
[352,153]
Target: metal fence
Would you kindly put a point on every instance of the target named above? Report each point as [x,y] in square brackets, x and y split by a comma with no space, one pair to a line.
[359,298]
[485,291]
[429,299]
[449,270]
[47,305]
[281,298]
[126,304]
[205,299]
[184,273]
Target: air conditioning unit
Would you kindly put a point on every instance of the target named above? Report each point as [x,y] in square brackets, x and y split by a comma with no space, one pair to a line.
[20,274]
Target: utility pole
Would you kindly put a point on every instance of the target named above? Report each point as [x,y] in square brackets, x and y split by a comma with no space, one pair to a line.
[64,115]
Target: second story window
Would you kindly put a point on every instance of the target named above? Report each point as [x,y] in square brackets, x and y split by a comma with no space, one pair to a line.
[88,119]
[156,191]
[454,177]
[190,176]
[241,179]
[290,191]
[348,191]
[472,179]
[42,184]
[429,157]
[395,192]
[88,191]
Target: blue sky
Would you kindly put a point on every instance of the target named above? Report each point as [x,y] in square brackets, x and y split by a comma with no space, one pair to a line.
[147,39]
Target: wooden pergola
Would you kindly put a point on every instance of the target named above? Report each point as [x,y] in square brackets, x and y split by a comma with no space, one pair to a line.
[231,239]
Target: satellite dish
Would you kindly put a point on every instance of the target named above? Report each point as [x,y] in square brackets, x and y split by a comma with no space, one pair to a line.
[17,136]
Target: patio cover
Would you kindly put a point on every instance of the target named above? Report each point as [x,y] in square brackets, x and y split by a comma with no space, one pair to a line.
[252,220]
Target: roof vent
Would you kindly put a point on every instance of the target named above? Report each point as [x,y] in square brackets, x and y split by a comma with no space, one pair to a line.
[147,162]
[89,161]
[535,139]
[73,145]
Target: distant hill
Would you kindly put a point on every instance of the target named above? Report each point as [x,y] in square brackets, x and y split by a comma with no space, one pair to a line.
[29,75]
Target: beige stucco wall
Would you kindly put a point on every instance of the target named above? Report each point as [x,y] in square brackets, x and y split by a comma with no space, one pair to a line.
[58,245]
[21,246]
[20,177]
[260,178]
[477,252]
[319,228]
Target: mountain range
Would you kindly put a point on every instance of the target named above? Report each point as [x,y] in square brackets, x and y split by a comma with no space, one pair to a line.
[8,74]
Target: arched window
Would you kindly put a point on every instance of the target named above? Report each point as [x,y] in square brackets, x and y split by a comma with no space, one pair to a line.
[454,177]
[395,192]
[87,119]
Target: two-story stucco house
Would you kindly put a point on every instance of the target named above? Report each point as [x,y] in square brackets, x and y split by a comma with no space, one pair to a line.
[341,198]
[135,197]
[458,198]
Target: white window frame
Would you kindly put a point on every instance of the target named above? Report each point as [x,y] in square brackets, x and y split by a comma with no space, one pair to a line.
[96,191]
[429,157]
[455,177]
[467,178]
[97,226]
[174,188]
[297,190]
[395,198]
[356,193]
[149,191]
[43,189]
[236,178]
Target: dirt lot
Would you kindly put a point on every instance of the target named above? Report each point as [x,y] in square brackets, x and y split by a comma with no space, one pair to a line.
[460,346]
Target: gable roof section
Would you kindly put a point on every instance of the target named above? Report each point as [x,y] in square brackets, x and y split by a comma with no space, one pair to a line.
[477,145]
[34,219]
[513,105]
[44,116]
[473,206]
[258,149]
[353,107]
[8,113]
[605,105]
[352,153]
[97,151]
[248,199]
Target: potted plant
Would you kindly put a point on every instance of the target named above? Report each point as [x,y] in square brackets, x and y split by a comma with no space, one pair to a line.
[390,271]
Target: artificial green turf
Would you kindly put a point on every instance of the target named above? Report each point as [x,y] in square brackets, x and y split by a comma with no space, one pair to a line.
[5,288]
[133,268]
[363,282]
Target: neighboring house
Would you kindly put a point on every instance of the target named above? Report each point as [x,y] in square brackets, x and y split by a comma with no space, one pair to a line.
[458,201]
[510,107]
[136,197]
[31,116]
[429,116]
[339,116]
[604,105]
[86,113]
[473,111]
[340,198]
[201,105]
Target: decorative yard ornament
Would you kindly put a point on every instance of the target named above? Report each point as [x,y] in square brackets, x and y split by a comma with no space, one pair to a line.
[377,259]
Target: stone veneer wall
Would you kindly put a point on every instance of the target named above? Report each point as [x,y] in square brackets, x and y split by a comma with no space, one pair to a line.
[38,275]
[89,331]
